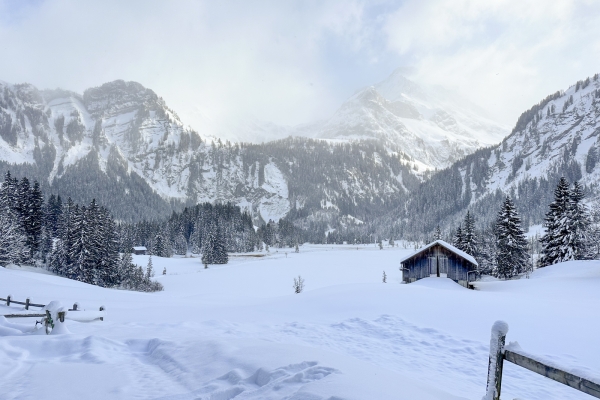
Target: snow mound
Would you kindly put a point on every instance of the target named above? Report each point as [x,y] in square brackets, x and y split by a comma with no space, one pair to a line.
[569,269]
[438,283]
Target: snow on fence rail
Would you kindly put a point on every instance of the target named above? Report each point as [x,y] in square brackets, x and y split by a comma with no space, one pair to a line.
[514,354]
[80,316]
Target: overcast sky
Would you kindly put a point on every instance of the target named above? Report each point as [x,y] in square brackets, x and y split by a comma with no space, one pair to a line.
[292,62]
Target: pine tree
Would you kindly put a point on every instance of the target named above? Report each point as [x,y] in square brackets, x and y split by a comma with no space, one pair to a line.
[511,258]
[7,194]
[208,244]
[579,224]
[554,243]
[458,238]
[36,219]
[13,246]
[469,236]
[159,246]
[72,238]
[487,250]
[68,234]
[149,269]
[219,250]
[126,271]
[108,255]
[57,261]
[437,235]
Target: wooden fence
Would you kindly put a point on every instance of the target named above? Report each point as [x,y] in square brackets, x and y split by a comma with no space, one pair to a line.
[498,353]
[61,315]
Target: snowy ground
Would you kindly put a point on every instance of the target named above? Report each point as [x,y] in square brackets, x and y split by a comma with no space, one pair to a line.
[239,332]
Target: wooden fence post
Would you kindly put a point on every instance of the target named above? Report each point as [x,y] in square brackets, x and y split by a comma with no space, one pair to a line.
[101,309]
[8,300]
[27,303]
[75,307]
[495,363]
[61,316]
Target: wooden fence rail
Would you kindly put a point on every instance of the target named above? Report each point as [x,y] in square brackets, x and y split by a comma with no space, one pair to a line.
[498,354]
[27,303]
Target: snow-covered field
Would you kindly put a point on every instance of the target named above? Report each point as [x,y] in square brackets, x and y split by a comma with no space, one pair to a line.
[239,332]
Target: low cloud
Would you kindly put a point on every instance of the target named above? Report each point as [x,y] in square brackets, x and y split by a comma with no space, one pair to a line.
[293,62]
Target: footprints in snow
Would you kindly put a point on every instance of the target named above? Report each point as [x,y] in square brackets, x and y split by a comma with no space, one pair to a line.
[281,383]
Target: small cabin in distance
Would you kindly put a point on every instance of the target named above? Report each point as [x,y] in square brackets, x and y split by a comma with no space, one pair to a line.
[439,259]
[139,250]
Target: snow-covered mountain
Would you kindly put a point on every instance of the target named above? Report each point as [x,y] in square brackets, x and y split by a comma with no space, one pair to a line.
[560,136]
[121,144]
[431,125]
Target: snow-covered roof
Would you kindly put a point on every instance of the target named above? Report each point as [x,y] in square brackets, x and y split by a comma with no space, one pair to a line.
[448,246]
[140,248]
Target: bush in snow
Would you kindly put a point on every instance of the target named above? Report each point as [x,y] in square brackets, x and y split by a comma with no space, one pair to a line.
[298,284]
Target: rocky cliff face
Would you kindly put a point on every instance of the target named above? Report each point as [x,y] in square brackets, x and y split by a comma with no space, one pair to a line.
[121,144]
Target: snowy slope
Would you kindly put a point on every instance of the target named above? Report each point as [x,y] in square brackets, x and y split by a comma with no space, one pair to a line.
[557,137]
[238,331]
[561,134]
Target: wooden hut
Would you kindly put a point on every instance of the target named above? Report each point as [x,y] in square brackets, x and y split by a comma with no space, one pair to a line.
[139,250]
[439,259]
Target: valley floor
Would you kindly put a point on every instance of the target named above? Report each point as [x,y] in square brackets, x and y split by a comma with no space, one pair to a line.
[238,331]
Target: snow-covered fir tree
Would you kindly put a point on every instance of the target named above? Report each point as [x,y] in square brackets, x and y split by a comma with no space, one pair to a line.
[511,256]
[487,249]
[149,268]
[159,248]
[458,239]
[555,222]
[78,242]
[437,235]
[213,247]
[13,246]
[469,235]
[567,224]
[579,224]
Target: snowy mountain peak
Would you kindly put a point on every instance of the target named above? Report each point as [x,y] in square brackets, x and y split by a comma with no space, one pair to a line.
[397,86]
[429,126]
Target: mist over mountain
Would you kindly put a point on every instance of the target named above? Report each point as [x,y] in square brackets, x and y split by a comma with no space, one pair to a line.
[374,161]
[432,125]
[557,137]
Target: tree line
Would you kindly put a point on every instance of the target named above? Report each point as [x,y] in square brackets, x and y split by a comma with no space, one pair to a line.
[75,241]
[502,249]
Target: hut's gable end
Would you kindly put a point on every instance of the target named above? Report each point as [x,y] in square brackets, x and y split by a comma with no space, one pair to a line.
[438,259]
